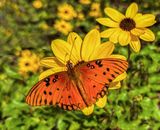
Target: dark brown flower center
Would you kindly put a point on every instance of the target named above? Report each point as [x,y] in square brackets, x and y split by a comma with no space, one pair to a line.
[127,24]
[26,64]
[63,26]
[66,11]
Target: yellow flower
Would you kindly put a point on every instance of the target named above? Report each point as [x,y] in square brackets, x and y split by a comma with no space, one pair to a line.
[85,2]
[44,26]
[28,62]
[74,51]
[37,4]
[95,10]
[129,28]
[80,16]
[8,32]
[66,12]
[2,3]
[63,26]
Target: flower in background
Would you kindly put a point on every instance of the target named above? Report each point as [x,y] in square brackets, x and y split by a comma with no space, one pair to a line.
[8,32]
[63,26]
[92,49]
[37,4]
[66,12]
[95,10]
[28,62]
[44,26]
[80,16]
[2,3]
[85,2]
[129,28]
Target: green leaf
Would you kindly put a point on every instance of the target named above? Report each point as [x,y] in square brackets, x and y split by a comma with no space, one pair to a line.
[74,126]
[11,73]
[62,125]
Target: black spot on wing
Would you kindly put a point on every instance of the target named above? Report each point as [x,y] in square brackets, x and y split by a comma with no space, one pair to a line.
[99,63]
[47,81]
[50,93]
[45,92]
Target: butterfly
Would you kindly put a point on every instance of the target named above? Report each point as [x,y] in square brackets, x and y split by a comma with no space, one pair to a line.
[78,87]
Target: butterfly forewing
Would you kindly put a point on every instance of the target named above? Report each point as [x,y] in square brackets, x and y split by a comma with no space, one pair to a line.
[97,75]
[104,70]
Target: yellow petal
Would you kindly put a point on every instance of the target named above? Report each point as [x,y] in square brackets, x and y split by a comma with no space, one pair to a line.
[101,102]
[145,20]
[107,22]
[148,35]
[114,14]
[107,33]
[91,41]
[137,15]
[114,85]
[137,31]
[114,37]
[117,56]
[62,51]
[88,110]
[50,62]
[76,42]
[120,77]
[103,50]
[124,38]
[132,10]
[51,71]
[135,43]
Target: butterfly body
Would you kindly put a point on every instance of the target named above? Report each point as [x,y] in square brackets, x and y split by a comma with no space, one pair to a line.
[78,87]
[74,77]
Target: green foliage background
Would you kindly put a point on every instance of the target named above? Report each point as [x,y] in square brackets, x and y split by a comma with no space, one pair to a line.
[136,106]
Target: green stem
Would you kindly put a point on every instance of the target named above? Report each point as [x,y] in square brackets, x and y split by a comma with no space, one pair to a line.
[129,53]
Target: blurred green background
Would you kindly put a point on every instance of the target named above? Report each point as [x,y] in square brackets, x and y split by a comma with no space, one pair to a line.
[27,28]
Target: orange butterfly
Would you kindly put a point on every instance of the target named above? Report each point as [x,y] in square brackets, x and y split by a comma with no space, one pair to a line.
[78,87]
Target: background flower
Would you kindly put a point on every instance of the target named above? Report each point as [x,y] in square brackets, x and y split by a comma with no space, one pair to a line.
[28,62]
[63,26]
[85,2]
[127,29]
[95,10]
[66,12]
[37,4]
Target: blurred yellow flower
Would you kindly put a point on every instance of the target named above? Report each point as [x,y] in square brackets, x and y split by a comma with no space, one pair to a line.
[2,3]
[66,12]
[92,49]
[37,4]
[8,32]
[44,26]
[26,53]
[63,26]
[80,16]
[95,10]
[129,28]
[85,2]
[28,62]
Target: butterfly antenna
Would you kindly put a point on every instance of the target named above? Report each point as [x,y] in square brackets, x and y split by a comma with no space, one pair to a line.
[72,47]
[81,51]
[65,57]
